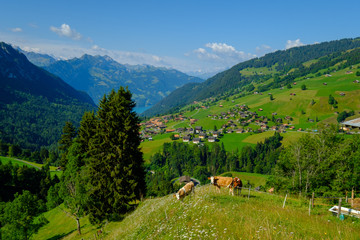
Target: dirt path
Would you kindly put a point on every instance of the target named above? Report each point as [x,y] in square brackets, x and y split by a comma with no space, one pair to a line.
[28,163]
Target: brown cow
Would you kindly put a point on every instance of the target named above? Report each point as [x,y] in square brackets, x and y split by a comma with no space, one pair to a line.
[237,184]
[227,182]
[186,190]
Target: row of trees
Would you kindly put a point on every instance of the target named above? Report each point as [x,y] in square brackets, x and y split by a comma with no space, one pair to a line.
[326,163]
[23,193]
[177,159]
[15,178]
[43,156]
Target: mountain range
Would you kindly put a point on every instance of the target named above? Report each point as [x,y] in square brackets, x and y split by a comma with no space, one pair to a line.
[97,75]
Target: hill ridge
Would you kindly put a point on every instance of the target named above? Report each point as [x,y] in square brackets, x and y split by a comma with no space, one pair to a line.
[233,81]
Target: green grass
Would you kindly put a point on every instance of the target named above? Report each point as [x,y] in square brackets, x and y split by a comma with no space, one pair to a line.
[61,225]
[255,179]
[233,141]
[210,215]
[149,148]
[19,162]
[14,161]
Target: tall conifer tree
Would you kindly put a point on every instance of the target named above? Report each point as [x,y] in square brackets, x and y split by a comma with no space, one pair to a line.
[115,164]
[69,133]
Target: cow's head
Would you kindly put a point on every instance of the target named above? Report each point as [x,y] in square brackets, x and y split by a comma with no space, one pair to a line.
[237,182]
[212,179]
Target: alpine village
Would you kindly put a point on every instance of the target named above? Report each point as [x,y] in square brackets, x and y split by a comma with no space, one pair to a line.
[267,149]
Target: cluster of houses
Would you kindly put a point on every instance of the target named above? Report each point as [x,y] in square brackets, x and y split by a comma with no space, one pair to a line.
[238,118]
[157,125]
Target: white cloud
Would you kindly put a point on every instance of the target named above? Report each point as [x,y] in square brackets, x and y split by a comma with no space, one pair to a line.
[202,54]
[221,47]
[219,56]
[65,31]
[262,50]
[16,29]
[31,49]
[295,43]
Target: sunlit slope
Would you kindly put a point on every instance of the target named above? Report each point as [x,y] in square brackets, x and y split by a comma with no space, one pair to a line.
[210,215]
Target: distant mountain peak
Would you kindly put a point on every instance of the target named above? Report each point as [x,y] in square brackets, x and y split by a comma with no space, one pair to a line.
[97,75]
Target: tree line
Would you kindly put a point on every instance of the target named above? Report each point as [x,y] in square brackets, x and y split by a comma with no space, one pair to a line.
[200,161]
[327,163]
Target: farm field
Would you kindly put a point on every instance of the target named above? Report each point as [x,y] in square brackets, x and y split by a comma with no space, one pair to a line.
[151,147]
[210,215]
[254,178]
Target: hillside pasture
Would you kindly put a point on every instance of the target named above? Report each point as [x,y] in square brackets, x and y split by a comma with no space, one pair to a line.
[254,179]
[211,215]
[149,148]
[235,141]
[20,162]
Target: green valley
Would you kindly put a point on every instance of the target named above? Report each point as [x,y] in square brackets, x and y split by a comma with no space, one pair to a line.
[274,122]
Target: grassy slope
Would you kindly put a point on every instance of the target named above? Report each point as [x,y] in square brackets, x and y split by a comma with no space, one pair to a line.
[283,105]
[254,178]
[211,215]
[4,160]
[151,147]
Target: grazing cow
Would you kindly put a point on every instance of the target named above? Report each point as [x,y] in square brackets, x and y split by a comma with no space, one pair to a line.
[227,182]
[237,184]
[271,190]
[184,191]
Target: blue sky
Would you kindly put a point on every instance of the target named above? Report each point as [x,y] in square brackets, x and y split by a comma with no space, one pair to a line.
[203,36]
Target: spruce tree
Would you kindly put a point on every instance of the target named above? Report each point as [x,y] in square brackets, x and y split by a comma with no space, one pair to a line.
[115,164]
[69,133]
[86,131]
[73,185]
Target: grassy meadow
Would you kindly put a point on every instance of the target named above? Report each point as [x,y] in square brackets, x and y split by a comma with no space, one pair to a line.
[210,215]
[19,162]
[254,178]
[149,148]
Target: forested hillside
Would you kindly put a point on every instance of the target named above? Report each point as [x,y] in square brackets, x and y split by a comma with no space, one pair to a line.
[97,75]
[34,104]
[270,71]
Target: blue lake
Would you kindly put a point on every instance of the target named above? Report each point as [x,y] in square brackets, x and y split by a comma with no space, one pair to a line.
[139,110]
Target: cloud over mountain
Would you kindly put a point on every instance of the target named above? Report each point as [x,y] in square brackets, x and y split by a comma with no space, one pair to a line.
[295,43]
[220,55]
[65,31]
